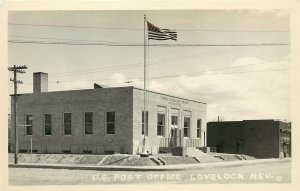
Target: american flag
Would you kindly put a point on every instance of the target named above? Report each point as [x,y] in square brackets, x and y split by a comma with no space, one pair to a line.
[155,33]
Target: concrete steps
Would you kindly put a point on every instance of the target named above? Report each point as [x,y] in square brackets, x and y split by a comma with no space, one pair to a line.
[231,157]
[201,156]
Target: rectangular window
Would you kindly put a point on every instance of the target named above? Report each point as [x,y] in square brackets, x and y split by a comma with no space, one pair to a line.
[199,128]
[174,120]
[160,124]
[110,122]
[29,120]
[145,123]
[67,123]
[88,122]
[47,124]
[186,127]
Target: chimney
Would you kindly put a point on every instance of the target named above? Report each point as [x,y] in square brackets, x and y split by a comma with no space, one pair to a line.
[40,82]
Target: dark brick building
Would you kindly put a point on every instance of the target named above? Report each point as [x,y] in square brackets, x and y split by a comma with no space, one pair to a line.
[257,138]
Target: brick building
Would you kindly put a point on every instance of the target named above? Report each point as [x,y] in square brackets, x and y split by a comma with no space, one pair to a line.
[106,120]
[257,138]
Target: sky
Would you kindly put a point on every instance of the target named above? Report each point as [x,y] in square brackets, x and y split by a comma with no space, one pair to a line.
[236,82]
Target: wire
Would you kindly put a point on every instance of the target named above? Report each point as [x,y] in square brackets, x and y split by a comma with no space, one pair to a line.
[131,44]
[225,73]
[129,66]
[155,62]
[93,69]
[138,29]
[201,72]
[68,39]
[163,77]
[173,76]
[73,26]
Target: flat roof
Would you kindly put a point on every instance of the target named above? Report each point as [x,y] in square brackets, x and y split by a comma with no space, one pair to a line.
[40,73]
[169,95]
[249,120]
[97,89]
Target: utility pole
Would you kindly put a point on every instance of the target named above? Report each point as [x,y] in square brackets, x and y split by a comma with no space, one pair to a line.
[16,69]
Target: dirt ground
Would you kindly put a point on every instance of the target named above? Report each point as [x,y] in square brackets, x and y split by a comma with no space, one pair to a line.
[279,172]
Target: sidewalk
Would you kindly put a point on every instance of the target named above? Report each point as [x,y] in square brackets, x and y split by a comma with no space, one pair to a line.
[149,168]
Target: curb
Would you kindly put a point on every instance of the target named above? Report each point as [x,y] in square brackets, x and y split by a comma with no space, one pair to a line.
[150,168]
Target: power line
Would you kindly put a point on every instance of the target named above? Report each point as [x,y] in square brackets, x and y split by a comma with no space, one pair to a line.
[74,26]
[163,77]
[139,44]
[49,38]
[129,66]
[238,72]
[201,72]
[155,62]
[138,29]
[130,80]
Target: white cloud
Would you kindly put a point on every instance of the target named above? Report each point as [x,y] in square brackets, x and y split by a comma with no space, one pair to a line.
[234,96]
[277,12]
[118,78]
[246,61]
[255,95]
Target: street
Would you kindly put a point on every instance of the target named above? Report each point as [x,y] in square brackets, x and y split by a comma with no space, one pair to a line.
[276,172]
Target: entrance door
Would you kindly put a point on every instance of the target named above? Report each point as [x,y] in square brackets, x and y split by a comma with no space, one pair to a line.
[240,146]
[286,150]
[176,137]
[220,146]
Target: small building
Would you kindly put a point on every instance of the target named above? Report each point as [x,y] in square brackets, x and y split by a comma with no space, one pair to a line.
[257,138]
[106,120]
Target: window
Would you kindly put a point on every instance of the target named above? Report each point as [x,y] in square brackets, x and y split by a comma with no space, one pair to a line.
[174,120]
[186,126]
[199,128]
[145,123]
[47,124]
[29,120]
[88,122]
[160,124]
[110,122]
[67,123]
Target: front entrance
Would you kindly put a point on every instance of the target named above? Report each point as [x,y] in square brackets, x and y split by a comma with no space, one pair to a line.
[220,146]
[286,150]
[240,146]
[176,137]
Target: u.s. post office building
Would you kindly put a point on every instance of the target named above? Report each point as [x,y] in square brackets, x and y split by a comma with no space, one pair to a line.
[105,120]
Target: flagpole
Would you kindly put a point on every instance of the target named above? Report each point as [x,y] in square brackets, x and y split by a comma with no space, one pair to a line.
[144,153]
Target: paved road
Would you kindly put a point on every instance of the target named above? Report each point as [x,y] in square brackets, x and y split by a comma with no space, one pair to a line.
[278,172]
